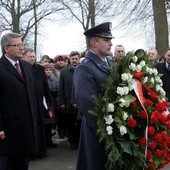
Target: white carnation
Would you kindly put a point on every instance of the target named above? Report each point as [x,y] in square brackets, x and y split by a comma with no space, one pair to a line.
[125,115]
[125,90]
[123,103]
[150,71]
[110,107]
[123,130]
[109,130]
[142,63]
[152,80]
[147,69]
[145,79]
[120,90]
[126,76]
[109,119]
[155,71]
[132,66]
[130,86]
[138,68]
[135,59]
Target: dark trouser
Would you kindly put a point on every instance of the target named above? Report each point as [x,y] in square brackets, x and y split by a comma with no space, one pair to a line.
[72,129]
[14,162]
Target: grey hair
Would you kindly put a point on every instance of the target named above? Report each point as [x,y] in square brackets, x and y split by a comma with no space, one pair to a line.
[6,39]
[26,50]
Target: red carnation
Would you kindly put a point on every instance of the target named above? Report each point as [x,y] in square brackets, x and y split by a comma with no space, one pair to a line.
[158,137]
[138,74]
[168,116]
[159,152]
[168,125]
[143,114]
[131,122]
[153,94]
[151,164]
[162,118]
[151,130]
[154,118]
[164,136]
[162,106]
[134,104]
[148,155]
[164,145]
[148,102]
[153,145]
[142,142]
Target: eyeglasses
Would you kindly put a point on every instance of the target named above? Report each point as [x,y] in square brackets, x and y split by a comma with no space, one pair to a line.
[16,45]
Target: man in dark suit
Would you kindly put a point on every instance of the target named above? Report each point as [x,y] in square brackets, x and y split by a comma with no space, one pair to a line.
[164,68]
[88,79]
[65,95]
[17,105]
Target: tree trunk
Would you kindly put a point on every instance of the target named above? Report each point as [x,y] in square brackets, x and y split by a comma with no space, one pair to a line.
[161,26]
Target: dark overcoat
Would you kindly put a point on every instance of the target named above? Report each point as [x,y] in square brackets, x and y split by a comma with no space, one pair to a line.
[65,87]
[161,67]
[17,108]
[42,90]
[88,79]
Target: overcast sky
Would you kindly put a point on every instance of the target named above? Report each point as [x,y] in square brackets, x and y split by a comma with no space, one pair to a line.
[64,39]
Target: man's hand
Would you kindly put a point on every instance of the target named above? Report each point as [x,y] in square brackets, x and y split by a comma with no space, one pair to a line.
[2,135]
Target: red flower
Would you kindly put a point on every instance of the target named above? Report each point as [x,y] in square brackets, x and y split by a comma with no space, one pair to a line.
[158,137]
[168,125]
[168,116]
[148,155]
[154,118]
[134,104]
[164,136]
[162,118]
[152,94]
[148,102]
[162,106]
[131,122]
[138,74]
[151,130]
[143,114]
[159,152]
[142,142]
[153,145]
[151,164]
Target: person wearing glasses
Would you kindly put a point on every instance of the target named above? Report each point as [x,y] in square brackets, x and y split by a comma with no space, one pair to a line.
[164,69]
[17,105]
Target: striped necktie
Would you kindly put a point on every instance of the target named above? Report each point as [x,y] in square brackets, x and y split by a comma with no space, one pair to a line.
[18,69]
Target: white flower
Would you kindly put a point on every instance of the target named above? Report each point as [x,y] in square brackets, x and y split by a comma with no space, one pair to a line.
[147,69]
[132,66]
[155,71]
[109,130]
[145,79]
[135,59]
[109,119]
[158,87]
[126,90]
[110,107]
[125,115]
[152,80]
[126,76]
[123,130]
[150,71]
[138,68]
[123,103]
[120,90]
[130,86]
[142,63]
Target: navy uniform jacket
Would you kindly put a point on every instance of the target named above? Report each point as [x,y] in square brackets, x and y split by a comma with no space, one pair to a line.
[17,108]
[88,79]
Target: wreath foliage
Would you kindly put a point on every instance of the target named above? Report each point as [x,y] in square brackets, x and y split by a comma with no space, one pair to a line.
[132,117]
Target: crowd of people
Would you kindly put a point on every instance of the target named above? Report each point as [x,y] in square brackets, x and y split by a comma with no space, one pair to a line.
[55,95]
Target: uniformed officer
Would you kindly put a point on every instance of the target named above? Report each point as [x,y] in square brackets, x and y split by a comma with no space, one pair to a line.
[88,79]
